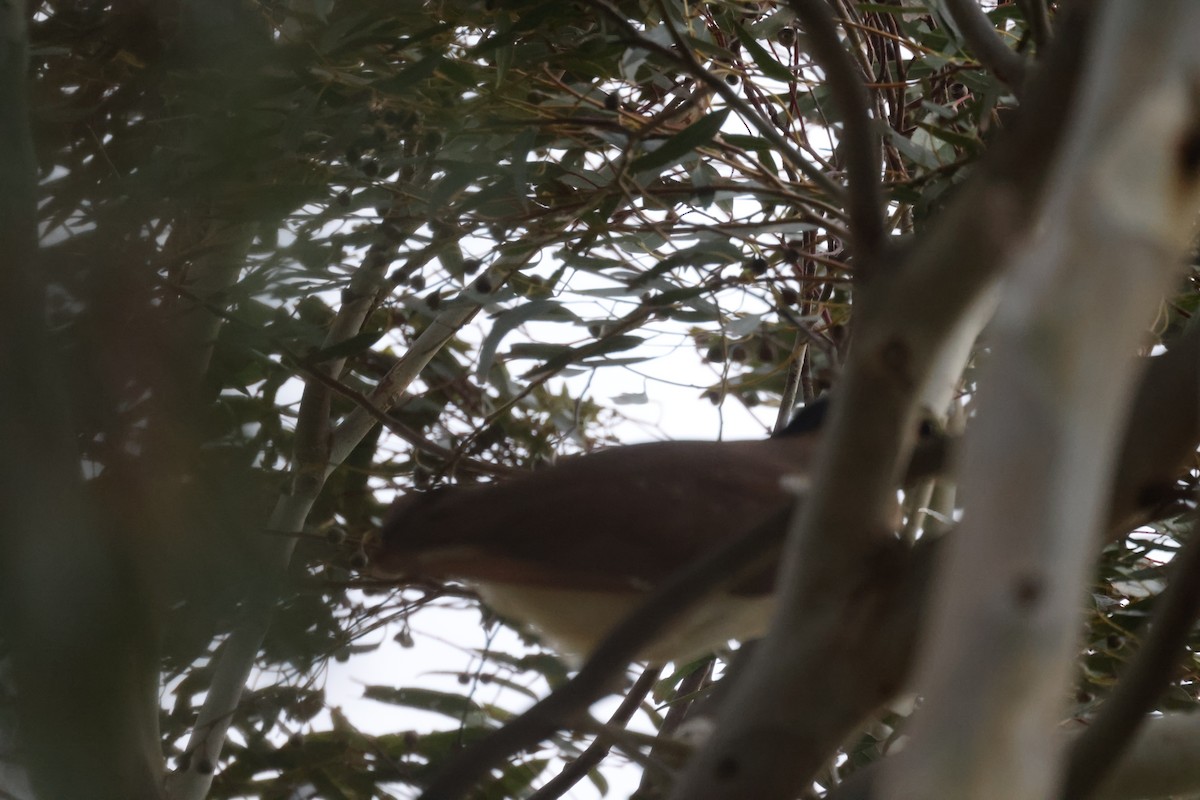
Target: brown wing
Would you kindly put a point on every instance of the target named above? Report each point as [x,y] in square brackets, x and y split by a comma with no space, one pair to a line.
[628,516]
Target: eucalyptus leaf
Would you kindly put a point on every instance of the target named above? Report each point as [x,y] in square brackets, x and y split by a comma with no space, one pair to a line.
[698,134]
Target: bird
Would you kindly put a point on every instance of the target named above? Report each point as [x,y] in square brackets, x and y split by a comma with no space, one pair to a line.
[573,549]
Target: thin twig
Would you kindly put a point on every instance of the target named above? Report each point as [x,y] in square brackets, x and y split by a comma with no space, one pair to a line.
[590,758]
[685,59]
[791,385]
[307,367]
[665,746]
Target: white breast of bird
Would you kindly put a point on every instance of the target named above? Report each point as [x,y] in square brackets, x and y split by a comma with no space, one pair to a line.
[573,622]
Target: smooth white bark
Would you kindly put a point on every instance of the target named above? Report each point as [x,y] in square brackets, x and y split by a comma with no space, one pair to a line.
[1000,647]
[1162,761]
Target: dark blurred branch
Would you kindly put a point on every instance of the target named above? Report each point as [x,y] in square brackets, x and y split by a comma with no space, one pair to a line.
[986,44]
[1038,20]
[71,605]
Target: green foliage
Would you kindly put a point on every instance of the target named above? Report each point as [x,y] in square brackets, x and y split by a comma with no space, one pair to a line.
[218,186]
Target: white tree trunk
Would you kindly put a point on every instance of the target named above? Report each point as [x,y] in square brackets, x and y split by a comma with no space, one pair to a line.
[1003,632]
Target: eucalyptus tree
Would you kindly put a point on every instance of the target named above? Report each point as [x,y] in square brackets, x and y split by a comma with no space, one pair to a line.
[268,264]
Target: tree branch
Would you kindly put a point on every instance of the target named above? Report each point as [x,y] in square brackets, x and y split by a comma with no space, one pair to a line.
[1038,20]
[860,142]
[578,769]
[1162,761]
[664,752]
[988,47]
[685,58]
[803,691]
[1159,437]
[896,571]
[1004,615]
[1147,675]
[393,385]
[890,662]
